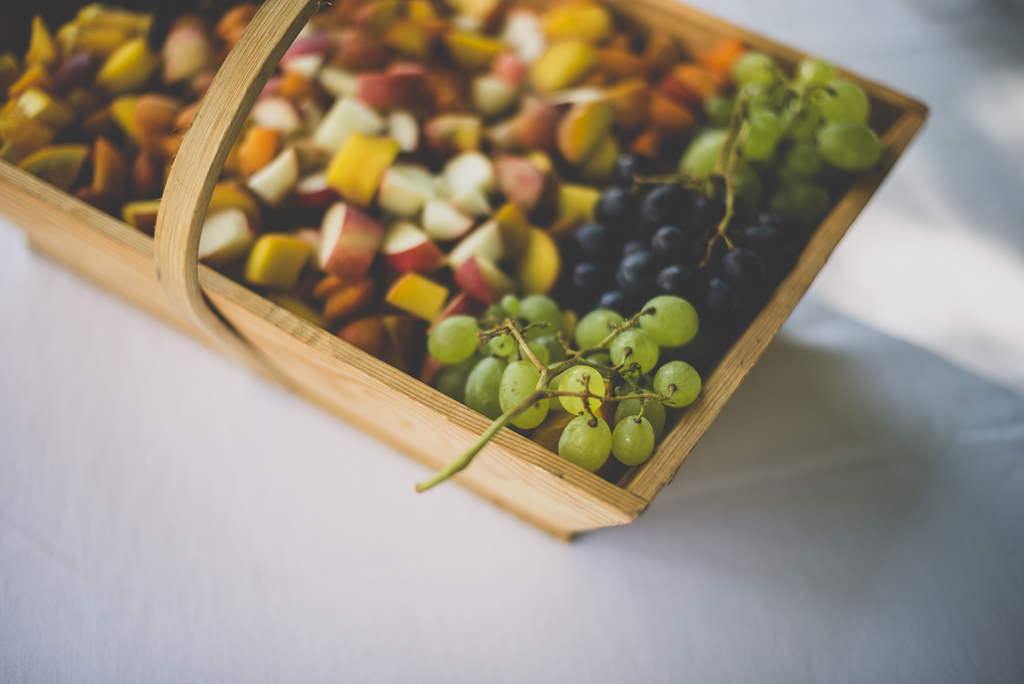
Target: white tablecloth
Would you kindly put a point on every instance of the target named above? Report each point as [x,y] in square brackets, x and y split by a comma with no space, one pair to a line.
[856,514]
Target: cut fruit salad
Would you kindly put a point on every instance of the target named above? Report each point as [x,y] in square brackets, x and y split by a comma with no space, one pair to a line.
[410,165]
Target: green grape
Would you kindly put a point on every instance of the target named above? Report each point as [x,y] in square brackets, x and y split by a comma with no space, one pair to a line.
[677,381]
[842,101]
[719,110]
[510,303]
[754,67]
[539,350]
[517,383]
[495,312]
[595,326]
[556,352]
[746,186]
[654,413]
[454,339]
[633,441]
[634,346]
[801,123]
[502,345]
[451,381]
[763,132]
[555,405]
[801,163]
[584,444]
[814,72]
[759,96]
[538,308]
[806,202]
[483,385]
[576,380]
[601,359]
[849,145]
[673,322]
[702,154]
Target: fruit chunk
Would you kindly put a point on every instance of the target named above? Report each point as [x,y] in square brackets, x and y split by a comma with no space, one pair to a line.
[350,300]
[598,167]
[42,49]
[357,169]
[469,172]
[154,113]
[630,100]
[234,22]
[58,165]
[417,295]
[312,192]
[583,129]
[278,113]
[108,169]
[450,134]
[128,68]
[520,181]
[472,51]
[35,76]
[514,230]
[227,235]
[274,181]
[669,117]
[41,106]
[350,240]
[257,149]
[406,247]
[368,334]
[493,95]
[9,71]
[346,116]
[442,221]
[396,88]
[187,50]
[404,189]
[539,265]
[481,279]
[564,65]
[582,21]
[485,241]
[461,305]
[404,130]
[405,345]
[141,215]
[230,195]
[276,261]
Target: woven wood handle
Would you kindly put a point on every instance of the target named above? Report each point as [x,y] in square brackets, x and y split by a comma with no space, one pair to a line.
[197,167]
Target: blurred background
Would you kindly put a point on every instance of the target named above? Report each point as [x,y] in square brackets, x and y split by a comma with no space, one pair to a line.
[854,515]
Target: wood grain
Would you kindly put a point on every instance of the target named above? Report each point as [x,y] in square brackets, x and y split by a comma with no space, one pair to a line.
[512,471]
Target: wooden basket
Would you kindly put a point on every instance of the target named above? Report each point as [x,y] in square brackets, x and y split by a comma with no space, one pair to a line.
[512,471]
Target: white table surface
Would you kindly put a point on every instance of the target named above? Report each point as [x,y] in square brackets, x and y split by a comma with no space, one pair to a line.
[856,514]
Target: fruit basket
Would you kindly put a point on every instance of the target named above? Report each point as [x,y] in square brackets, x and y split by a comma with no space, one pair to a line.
[164,276]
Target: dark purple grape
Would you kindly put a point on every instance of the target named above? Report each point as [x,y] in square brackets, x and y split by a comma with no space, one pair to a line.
[721,302]
[596,242]
[672,245]
[634,246]
[768,243]
[628,167]
[783,224]
[616,301]
[616,209]
[590,278]
[707,213]
[682,281]
[636,274]
[665,205]
[744,270]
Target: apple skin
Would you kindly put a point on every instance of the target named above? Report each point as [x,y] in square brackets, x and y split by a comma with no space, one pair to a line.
[520,181]
[312,192]
[482,280]
[404,87]
[350,242]
[407,248]
[485,241]
[444,222]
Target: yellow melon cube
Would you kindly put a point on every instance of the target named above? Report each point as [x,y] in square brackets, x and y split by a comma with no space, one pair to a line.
[128,68]
[277,260]
[358,167]
[417,295]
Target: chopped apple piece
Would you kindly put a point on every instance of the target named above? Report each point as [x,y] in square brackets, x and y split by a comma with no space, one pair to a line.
[520,181]
[187,50]
[312,192]
[514,229]
[274,181]
[278,113]
[128,68]
[234,22]
[481,279]
[350,300]
[406,247]
[472,202]
[472,51]
[227,236]
[564,65]
[337,82]
[493,95]
[355,49]
[450,134]
[533,128]
[276,260]
[350,240]
[42,48]
[581,21]
[467,172]
[348,115]
[403,129]
[668,116]
[598,167]
[358,167]
[617,64]
[629,99]
[298,307]
[460,305]
[539,265]
[524,34]
[443,222]
[404,189]
[232,195]
[154,113]
[485,241]
[583,129]
[511,69]
[417,295]
[58,165]
[394,88]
